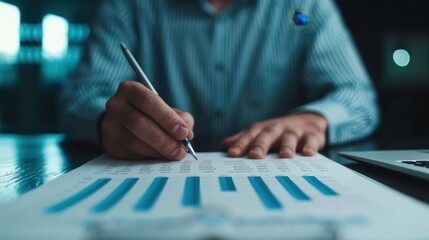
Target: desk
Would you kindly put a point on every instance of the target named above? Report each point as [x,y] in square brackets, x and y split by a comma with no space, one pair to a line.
[27,162]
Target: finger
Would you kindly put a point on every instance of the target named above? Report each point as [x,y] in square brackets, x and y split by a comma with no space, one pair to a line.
[189,119]
[227,142]
[117,151]
[310,144]
[263,142]
[110,142]
[136,146]
[150,133]
[241,145]
[121,143]
[151,105]
[113,108]
[288,144]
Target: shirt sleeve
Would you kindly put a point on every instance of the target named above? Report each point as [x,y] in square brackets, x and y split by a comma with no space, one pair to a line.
[336,83]
[103,66]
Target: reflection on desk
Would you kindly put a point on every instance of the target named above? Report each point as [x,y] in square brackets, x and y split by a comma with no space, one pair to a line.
[27,162]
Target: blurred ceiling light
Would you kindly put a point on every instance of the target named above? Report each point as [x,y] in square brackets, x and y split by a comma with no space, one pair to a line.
[401,57]
[10,19]
[55,36]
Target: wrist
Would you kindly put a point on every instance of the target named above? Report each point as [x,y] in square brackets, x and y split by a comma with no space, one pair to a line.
[314,118]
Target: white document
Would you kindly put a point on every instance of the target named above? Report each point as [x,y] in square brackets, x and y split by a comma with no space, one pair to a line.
[215,197]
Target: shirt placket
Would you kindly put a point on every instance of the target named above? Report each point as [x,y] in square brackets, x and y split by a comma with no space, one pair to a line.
[218,51]
[218,64]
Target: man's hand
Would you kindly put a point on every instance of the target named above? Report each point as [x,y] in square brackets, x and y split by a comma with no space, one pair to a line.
[303,132]
[139,124]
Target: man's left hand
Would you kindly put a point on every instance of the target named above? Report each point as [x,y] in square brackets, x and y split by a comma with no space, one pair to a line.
[301,132]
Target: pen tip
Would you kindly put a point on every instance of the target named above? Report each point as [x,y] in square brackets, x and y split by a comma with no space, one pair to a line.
[189,149]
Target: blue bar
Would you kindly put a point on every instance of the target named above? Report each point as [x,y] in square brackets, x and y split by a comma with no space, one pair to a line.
[227,184]
[81,195]
[147,201]
[264,193]
[191,193]
[115,196]
[292,188]
[325,190]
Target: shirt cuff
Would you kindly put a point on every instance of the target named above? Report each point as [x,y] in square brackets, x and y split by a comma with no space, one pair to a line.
[335,114]
[87,121]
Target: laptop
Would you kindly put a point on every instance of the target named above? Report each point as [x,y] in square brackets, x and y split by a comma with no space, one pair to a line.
[412,162]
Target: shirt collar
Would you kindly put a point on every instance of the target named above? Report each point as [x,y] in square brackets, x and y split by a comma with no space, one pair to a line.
[206,7]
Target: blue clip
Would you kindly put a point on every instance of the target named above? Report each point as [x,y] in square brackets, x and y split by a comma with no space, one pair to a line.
[301,18]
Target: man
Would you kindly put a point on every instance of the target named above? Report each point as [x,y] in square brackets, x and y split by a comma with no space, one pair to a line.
[252,75]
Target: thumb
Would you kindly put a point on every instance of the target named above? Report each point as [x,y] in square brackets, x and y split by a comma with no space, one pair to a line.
[189,120]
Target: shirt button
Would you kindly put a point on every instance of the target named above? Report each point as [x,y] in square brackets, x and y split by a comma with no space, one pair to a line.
[219,67]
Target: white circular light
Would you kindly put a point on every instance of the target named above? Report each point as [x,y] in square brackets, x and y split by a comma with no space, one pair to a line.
[401,57]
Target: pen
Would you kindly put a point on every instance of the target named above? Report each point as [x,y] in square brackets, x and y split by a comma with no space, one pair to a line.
[143,79]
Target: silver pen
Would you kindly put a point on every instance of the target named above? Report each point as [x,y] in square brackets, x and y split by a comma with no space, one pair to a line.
[143,79]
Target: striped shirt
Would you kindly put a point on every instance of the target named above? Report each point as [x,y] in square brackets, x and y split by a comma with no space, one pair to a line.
[254,61]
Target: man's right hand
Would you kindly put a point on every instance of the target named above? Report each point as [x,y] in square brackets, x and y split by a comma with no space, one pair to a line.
[139,124]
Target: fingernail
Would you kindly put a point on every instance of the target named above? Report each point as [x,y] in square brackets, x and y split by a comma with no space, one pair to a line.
[175,152]
[257,150]
[175,129]
[235,150]
[183,129]
[309,150]
[179,132]
[287,150]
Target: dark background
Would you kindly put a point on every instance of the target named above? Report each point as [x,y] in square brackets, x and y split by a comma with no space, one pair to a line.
[29,87]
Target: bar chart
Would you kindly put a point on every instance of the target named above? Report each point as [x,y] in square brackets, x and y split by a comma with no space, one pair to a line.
[215,197]
[191,194]
[152,194]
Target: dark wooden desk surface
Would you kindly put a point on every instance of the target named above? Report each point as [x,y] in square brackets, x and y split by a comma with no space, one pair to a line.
[27,162]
